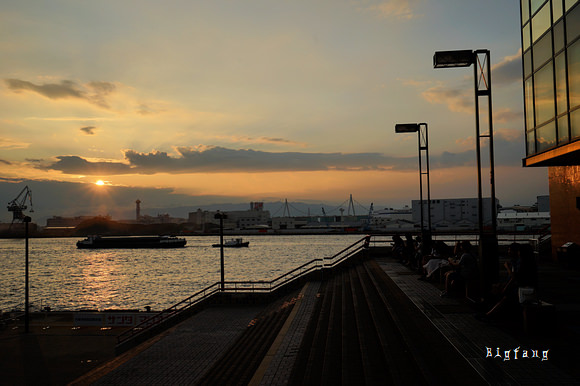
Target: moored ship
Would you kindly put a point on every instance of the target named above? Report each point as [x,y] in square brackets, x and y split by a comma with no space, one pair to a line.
[94,242]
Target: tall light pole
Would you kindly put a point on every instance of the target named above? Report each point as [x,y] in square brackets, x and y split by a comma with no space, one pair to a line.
[26,221]
[480,59]
[423,137]
[221,216]
[17,207]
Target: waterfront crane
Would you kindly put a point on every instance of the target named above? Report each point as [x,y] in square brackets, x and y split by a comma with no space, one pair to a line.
[18,205]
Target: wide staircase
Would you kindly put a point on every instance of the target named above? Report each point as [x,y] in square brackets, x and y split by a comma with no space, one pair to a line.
[363,330]
[238,365]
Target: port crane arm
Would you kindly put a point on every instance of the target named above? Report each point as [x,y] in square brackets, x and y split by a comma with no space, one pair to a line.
[18,205]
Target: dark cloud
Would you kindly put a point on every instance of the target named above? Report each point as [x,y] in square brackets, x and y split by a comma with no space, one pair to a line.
[89,130]
[5,162]
[219,159]
[78,165]
[275,140]
[93,92]
[65,89]
[204,159]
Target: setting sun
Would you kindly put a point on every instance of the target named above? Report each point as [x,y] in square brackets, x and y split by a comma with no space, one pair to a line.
[100,183]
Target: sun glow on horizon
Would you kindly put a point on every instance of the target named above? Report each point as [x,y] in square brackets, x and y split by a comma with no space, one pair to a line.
[100,183]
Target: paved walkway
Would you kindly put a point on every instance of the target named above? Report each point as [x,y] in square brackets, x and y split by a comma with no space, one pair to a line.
[183,355]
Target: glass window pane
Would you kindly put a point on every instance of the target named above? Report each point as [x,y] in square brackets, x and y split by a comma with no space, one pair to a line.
[574,74]
[536,4]
[544,94]
[541,22]
[561,98]
[573,24]
[559,37]
[528,64]
[531,145]
[529,104]
[542,51]
[563,130]
[557,9]
[575,123]
[546,136]
[570,3]
[525,11]
[526,37]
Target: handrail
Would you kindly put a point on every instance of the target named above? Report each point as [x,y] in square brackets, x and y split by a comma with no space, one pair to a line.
[263,286]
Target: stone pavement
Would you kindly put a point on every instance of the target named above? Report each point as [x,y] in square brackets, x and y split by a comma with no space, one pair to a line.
[181,356]
[54,352]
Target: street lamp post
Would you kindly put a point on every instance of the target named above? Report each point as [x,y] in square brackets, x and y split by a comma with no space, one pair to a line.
[26,220]
[423,139]
[482,83]
[221,216]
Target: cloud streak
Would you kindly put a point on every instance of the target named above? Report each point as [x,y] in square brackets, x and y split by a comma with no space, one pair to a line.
[399,9]
[263,140]
[8,143]
[93,92]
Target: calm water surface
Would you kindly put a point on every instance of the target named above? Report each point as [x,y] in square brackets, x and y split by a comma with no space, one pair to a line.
[66,278]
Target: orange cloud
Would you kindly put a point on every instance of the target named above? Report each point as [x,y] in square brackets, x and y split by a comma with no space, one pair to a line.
[458,100]
[399,9]
[8,143]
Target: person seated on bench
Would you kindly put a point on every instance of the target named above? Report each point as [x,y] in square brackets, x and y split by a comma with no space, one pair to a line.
[409,249]
[525,274]
[437,259]
[512,266]
[464,269]
[398,248]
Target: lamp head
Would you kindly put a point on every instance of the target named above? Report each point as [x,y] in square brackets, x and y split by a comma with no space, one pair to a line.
[406,127]
[458,58]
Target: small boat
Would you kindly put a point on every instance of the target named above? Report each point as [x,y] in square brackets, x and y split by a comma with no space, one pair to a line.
[94,242]
[233,243]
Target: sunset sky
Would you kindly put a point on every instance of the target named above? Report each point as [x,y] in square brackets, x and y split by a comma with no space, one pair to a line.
[256,100]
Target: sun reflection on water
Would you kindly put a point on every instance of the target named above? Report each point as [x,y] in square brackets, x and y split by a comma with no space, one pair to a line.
[66,278]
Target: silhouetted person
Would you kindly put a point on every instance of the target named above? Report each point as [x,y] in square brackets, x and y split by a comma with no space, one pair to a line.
[464,269]
[398,248]
[524,274]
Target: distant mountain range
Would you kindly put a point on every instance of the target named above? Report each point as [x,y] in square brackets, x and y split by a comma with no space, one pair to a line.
[68,199]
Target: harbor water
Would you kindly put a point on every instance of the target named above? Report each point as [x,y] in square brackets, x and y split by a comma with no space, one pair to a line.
[65,278]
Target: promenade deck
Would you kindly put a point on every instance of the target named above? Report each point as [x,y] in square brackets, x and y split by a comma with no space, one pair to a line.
[370,322]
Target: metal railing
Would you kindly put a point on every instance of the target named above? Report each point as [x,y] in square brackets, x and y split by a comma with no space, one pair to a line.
[313,265]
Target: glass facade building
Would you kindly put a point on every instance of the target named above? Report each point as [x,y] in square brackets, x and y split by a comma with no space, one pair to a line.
[551,68]
[551,82]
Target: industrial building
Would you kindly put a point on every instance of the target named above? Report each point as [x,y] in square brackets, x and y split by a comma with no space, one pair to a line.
[453,214]
[254,218]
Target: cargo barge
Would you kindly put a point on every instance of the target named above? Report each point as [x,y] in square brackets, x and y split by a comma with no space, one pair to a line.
[96,242]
